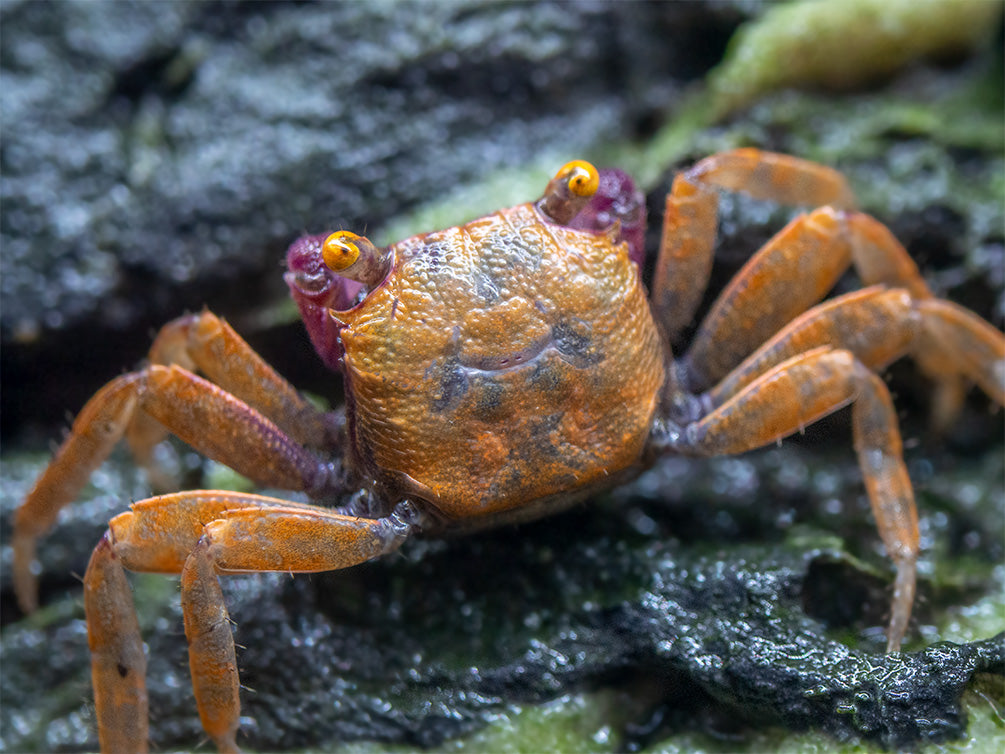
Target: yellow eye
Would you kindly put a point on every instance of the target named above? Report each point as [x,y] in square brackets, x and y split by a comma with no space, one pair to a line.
[340,250]
[356,258]
[581,177]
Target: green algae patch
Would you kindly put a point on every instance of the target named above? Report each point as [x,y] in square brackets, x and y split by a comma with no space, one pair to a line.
[844,45]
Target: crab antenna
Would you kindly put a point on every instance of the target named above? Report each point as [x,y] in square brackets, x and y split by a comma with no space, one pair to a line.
[569,191]
[356,258]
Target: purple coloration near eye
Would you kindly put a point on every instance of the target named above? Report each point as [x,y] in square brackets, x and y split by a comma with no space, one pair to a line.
[316,289]
[617,198]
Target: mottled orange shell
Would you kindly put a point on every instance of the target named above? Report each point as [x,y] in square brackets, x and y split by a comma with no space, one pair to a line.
[501,362]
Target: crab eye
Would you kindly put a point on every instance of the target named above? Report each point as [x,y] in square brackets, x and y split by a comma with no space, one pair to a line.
[340,250]
[356,258]
[581,178]
[569,191]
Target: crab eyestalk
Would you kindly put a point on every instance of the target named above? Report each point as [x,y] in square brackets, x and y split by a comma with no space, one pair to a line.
[356,258]
[569,191]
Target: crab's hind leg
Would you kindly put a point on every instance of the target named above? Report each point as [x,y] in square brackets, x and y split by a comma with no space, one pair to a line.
[799,265]
[794,394]
[199,412]
[692,208]
[793,271]
[875,325]
[790,273]
[956,342]
[199,534]
[796,269]
[880,325]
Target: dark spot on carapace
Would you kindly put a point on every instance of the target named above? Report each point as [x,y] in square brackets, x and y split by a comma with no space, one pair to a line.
[123,670]
[545,376]
[429,255]
[506,483]
[540,443]
[572,340]
[488,393]
[453,386]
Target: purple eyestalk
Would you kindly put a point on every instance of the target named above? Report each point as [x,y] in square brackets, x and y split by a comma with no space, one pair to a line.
[617,199]
[316,289]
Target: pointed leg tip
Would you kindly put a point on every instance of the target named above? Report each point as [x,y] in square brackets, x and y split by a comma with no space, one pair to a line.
[25,569]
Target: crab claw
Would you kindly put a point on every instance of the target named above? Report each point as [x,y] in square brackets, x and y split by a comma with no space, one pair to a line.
[316,290]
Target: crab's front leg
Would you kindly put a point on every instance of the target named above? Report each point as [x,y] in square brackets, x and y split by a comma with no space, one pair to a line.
[205,344]
[256,423]
[200,534]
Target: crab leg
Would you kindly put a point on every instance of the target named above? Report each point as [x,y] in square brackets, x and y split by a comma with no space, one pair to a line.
[212,660]
[957,341]
[96,430]
[209,419]
[206,344]
[797,267]
[199,534]
[879,325]
[118,665]
[796,393]
[793,271]
[692,209]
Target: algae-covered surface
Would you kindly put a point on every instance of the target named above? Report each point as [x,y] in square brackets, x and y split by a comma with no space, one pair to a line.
[724,605]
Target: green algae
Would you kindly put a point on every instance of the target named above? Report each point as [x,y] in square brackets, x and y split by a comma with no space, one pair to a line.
[844,45]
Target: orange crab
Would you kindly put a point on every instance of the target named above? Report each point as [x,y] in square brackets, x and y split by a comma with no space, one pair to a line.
[495,372]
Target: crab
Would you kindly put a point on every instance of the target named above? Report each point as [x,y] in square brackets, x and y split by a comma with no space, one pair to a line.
[495,372]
